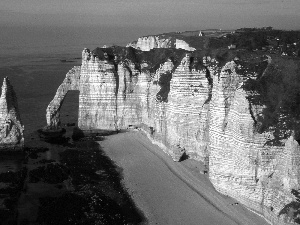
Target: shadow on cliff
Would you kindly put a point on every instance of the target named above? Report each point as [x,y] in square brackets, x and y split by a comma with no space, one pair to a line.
[292,209]
[95,194]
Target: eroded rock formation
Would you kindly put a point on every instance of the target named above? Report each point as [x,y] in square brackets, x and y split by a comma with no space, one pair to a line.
[71,82]
[11,128]
[199,106]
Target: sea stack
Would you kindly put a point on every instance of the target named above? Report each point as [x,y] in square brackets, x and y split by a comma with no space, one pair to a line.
[11,127]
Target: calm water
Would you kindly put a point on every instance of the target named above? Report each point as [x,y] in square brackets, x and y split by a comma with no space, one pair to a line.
[31,59]
[33,65]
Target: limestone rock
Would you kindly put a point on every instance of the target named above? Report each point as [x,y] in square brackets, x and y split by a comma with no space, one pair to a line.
[196,106]
[97,98]
[11,127]
[241,165]
[183,45]
[187,109]
[150,42]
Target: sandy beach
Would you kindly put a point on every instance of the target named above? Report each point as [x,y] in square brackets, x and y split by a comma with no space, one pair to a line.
[171,192]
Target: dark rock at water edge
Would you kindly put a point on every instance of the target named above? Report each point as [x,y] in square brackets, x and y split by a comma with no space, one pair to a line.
[54,136]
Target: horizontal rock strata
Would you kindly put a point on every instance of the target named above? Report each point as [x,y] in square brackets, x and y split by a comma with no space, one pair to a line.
[197,107]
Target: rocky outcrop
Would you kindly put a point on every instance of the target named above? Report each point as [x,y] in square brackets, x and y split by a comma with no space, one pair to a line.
[11,127]
[197,107]
[150,42]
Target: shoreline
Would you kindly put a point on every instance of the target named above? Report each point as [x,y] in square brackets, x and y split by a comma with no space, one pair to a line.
[73,182]
[164,149]
[162,191]
[193,197]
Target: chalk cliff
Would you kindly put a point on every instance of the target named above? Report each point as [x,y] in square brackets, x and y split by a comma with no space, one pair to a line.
[241,163]
[11,128]
[198,105]
[150,42]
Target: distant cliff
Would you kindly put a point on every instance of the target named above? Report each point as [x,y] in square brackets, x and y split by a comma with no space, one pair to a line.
[223,108]
[163,41]
[11,128]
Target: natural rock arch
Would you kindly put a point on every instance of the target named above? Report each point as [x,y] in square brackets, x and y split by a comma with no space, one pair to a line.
[70,83]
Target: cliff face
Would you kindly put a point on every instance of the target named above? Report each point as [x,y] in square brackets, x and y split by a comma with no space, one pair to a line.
[11,128]
[197,106]
[151,42]
[241,164]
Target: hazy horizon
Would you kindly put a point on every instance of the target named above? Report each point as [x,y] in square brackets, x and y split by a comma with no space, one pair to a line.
[154,15]
[32,24]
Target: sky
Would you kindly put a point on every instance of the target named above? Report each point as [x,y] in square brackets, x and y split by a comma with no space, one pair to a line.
[121,21]
[168,14]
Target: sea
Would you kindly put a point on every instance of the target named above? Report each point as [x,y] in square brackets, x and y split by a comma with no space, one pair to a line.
[36,60]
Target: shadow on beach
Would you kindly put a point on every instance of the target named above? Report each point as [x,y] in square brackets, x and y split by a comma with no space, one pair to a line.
[96,194]
[71,182]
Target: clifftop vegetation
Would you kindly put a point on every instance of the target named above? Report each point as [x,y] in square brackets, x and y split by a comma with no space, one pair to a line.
[278,90]
[153,58]
[250,39]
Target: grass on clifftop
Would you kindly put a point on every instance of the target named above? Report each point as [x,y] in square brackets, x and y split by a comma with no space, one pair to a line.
[154,57]
[279,91]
